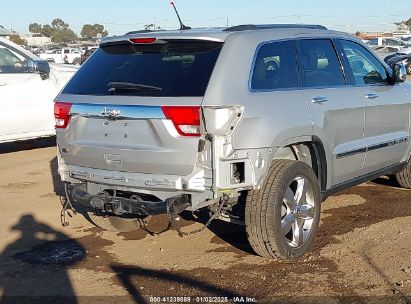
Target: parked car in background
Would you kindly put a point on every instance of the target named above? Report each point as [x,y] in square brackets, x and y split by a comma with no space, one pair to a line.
[87,54]
[387,41]
[64,55]
[405,59]
[387,47]
[28,86]
[407,40]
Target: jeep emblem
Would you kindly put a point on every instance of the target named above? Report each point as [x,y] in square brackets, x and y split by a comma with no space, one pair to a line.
[110,113]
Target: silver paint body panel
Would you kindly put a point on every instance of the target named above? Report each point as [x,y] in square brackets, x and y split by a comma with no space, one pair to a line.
[246,126]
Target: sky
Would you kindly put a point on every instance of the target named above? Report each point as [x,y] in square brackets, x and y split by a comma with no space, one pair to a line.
[121,16]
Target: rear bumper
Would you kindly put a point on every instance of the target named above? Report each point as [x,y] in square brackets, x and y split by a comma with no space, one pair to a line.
[120,206]
[197,185]
[195,182]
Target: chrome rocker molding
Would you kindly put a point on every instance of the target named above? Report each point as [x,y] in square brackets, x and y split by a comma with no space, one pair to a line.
[373,147]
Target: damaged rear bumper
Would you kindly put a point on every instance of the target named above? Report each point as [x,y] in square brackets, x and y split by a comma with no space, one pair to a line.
[121,206]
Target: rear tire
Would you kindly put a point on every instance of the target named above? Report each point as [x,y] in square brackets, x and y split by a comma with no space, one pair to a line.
[404,176]
[114,223]
[282,217]
[76,61]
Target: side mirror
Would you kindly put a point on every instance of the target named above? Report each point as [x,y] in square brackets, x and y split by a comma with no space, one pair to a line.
[41,67]
[399,72]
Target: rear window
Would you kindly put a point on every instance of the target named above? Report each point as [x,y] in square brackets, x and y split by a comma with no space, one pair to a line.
[170,69]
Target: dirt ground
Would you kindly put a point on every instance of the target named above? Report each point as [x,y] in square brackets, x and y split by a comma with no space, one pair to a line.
[362,252]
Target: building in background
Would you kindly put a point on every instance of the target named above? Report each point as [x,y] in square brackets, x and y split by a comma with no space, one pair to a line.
[4,33]
[36,39]
[402,30]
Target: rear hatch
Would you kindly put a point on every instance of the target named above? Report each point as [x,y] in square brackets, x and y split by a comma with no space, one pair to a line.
[134,106]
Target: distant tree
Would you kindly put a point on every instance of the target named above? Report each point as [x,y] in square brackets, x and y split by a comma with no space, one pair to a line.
[87,31]
[1,26]
[152,27]
[63,35]
[92,31]
[59,25]
[35,28]
[47,30]
[58,30]
[18,40]
[404,22]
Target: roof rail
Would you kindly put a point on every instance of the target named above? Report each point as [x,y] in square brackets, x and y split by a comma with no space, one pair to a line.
[248,27]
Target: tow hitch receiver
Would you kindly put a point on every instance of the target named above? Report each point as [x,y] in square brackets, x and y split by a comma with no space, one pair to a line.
[121,206]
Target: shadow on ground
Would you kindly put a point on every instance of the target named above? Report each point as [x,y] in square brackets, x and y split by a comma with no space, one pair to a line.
[34,267]
[27,145]
[389,181]
[383,201]
[136,279]
[225,233]
[58,185]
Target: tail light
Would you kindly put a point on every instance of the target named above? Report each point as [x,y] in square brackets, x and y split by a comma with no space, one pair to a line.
[62,114]
[186,119]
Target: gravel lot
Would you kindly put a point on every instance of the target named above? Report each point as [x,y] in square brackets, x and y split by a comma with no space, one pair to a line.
[362,253]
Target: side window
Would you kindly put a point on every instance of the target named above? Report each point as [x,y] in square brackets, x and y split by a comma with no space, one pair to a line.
[275,67]
[366,69]
[373,41]
[321,67]
[10,61]
[393,42]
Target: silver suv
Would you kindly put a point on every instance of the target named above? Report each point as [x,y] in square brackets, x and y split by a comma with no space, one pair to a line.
[256,124]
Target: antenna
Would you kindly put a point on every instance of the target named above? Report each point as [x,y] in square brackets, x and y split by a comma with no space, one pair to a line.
[182,26]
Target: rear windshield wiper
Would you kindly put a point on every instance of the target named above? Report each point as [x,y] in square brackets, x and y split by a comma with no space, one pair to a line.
[127,86]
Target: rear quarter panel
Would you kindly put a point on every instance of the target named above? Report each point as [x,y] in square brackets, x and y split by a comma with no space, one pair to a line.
[270,118]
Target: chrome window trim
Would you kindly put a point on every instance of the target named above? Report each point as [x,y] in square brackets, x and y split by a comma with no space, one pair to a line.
[112,111]
[303,88]
[300,86]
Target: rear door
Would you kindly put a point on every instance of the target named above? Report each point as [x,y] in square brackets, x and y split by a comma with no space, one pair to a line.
[136,106]
[337,109]
[387,108]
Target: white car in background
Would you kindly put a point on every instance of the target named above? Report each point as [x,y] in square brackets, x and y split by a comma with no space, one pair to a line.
[387,41]
[28,86]
[64,55]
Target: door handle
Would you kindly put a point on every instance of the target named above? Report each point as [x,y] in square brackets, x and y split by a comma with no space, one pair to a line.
[319,100]
[2,84]
[371,96]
